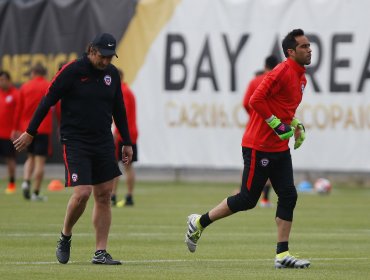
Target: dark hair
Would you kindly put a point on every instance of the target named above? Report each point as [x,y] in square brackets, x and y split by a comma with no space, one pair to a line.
[39,69]
[91,49]
[271,61]
[6,74]
[289,41]
[259,72]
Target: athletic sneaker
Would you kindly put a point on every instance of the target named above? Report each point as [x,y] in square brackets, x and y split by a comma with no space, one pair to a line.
[38,197]
[102,257]
[10,189]
[194,232]
[285,260]
[26,188]
[127,202]
[63,250]
[265,203]
[113,200]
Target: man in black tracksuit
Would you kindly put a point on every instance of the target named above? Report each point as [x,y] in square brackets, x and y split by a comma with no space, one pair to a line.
[90,92]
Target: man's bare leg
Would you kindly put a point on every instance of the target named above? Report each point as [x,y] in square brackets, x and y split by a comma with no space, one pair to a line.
[102,215]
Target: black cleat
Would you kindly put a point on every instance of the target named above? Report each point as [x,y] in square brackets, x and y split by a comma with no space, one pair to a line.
[63,250]
[129,200]
[102,257]
[26,188]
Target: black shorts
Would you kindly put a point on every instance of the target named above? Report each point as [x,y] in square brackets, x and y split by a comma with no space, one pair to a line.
[119,146]
[88,164]
[7,148]
[260,166]
[39,145]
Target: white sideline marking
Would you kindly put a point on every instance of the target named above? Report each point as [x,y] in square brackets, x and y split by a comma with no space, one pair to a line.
[234,260]
[140,234]
[181,261]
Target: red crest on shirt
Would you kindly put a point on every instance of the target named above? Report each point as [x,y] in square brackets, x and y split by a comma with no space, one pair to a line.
[9,99]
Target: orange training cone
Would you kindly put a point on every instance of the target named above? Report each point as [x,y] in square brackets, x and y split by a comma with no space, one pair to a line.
[55,185]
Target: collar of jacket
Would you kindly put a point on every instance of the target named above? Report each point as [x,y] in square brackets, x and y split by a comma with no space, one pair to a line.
[298,68]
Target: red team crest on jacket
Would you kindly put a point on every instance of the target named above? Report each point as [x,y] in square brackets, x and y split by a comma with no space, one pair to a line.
[107,80]
[9,99]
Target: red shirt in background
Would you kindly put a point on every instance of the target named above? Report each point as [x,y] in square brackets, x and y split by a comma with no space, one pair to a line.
[8,103]
[30,95]
[251,88]
[130,105]
[279,94]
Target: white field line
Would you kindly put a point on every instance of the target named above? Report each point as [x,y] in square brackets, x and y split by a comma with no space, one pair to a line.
[184,261]
[138,234]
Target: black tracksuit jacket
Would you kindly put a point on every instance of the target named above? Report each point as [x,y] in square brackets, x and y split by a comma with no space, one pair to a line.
[89,98]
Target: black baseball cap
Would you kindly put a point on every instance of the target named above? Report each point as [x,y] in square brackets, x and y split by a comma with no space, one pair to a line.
[106,44]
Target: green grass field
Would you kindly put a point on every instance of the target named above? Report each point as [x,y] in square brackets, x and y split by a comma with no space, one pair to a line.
[332,231]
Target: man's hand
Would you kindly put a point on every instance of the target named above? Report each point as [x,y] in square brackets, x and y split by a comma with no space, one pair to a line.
[15,134]
[23,141]
[127,154]
[282,130]
[299,133]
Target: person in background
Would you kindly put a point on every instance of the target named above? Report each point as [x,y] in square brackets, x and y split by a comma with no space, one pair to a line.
[30,95]
[266,151]
[270,63]
[8,103]
[130,105]
[89,89]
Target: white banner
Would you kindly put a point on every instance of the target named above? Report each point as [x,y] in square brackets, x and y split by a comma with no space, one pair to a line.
[190,88]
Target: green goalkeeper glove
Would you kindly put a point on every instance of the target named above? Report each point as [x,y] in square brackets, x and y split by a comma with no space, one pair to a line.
[282,130]
[299,132]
